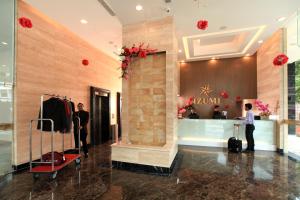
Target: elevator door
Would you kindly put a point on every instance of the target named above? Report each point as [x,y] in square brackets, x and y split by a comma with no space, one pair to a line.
[102,133]
[100,116]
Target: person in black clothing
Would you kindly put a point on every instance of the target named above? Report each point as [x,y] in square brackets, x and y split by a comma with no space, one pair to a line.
[84,119]
[193,115]
[217,114]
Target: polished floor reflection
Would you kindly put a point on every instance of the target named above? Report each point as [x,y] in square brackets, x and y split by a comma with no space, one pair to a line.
[201,173]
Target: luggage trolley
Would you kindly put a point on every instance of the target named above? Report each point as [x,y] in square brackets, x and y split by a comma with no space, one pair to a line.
[41,166]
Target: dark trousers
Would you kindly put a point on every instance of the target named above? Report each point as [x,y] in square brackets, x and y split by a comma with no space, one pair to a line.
[249,136]
[83,136]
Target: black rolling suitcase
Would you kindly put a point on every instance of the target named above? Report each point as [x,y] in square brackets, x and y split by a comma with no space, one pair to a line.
[234,143]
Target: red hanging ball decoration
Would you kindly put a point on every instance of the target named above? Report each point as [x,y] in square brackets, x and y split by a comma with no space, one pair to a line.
[280,60]
[202,24]
[85,62]
[224,94]
[25,22]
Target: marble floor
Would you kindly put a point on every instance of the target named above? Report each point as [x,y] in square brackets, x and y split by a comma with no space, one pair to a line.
[200,173]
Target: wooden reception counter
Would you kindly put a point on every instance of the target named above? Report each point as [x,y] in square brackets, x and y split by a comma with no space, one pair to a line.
[215,133]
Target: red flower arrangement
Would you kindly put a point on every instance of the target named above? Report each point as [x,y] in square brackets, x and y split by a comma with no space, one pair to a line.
[127,55]
[280,60]
[202,24]
[227,106]
[25,22]
[85,62]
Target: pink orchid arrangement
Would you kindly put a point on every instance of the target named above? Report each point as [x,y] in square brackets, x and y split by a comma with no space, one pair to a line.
[264,108]
[128,53]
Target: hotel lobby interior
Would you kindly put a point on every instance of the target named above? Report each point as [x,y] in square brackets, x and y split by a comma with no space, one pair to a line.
[150,99]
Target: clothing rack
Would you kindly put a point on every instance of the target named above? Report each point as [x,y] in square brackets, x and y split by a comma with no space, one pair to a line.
[69,157]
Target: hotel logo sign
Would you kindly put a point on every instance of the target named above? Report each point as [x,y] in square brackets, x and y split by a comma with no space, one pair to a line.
[205,98]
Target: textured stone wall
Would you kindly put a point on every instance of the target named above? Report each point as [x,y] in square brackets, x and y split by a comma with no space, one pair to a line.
[155,80]
[147,101]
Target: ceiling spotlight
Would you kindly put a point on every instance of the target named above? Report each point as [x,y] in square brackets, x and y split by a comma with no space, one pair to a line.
[260,41]
[4,43]
[83,21]
[139,7]
[3,65]
[179,51]
[248,54]
[182,61]
[281,19]
[213,58]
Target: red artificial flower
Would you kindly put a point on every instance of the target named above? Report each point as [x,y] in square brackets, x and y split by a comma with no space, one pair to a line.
[142,54]
[202,24]
[238,99]
[85,62]
[224,95]
[280,60]
[126,52]
[124,65]
[135,49]
[25,22]
[226,106]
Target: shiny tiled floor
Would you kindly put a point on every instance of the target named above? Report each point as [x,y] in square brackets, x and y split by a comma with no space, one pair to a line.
[202,173]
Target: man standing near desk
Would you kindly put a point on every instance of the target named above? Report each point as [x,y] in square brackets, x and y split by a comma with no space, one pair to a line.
[249,121]
[84,119]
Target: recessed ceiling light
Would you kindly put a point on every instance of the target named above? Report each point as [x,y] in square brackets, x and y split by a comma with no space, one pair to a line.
[3,65]
[179,50]
[83,21]
[260,41]
[213,58]
[139,7]
[4,43]
[248,54]
[281,19]
[182,61]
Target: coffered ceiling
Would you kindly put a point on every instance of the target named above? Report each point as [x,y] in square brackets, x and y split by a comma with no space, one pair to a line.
[235,26]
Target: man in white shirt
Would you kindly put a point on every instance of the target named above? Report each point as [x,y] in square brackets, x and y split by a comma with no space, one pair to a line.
[249,121]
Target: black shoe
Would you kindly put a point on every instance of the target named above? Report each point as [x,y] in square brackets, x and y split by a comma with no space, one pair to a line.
[86,155]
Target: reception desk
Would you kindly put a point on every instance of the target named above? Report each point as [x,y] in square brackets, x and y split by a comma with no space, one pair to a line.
[215,133]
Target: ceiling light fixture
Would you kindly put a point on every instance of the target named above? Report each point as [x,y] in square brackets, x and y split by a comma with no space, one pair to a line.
[139,7]
[4,43]
[179,51]
[281,19]
[248,54]
[213,58]
[3,65]
[260,41]
[83,21]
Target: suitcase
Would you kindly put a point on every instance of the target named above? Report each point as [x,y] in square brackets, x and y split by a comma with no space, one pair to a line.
[59,158]
[234,143]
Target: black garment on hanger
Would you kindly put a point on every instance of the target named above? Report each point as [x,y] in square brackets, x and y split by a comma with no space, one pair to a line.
[54,108]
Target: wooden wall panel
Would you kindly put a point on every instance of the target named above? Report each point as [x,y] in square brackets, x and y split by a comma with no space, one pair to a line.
[49,61]
[268,76]
[235,75]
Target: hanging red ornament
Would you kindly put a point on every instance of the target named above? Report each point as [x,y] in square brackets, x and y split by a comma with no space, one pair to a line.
[227,106]
[202,24]
[280,60]
[25,22]
[224,94]
[85,62]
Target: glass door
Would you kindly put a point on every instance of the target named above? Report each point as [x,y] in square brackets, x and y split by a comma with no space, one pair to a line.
[7,19]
